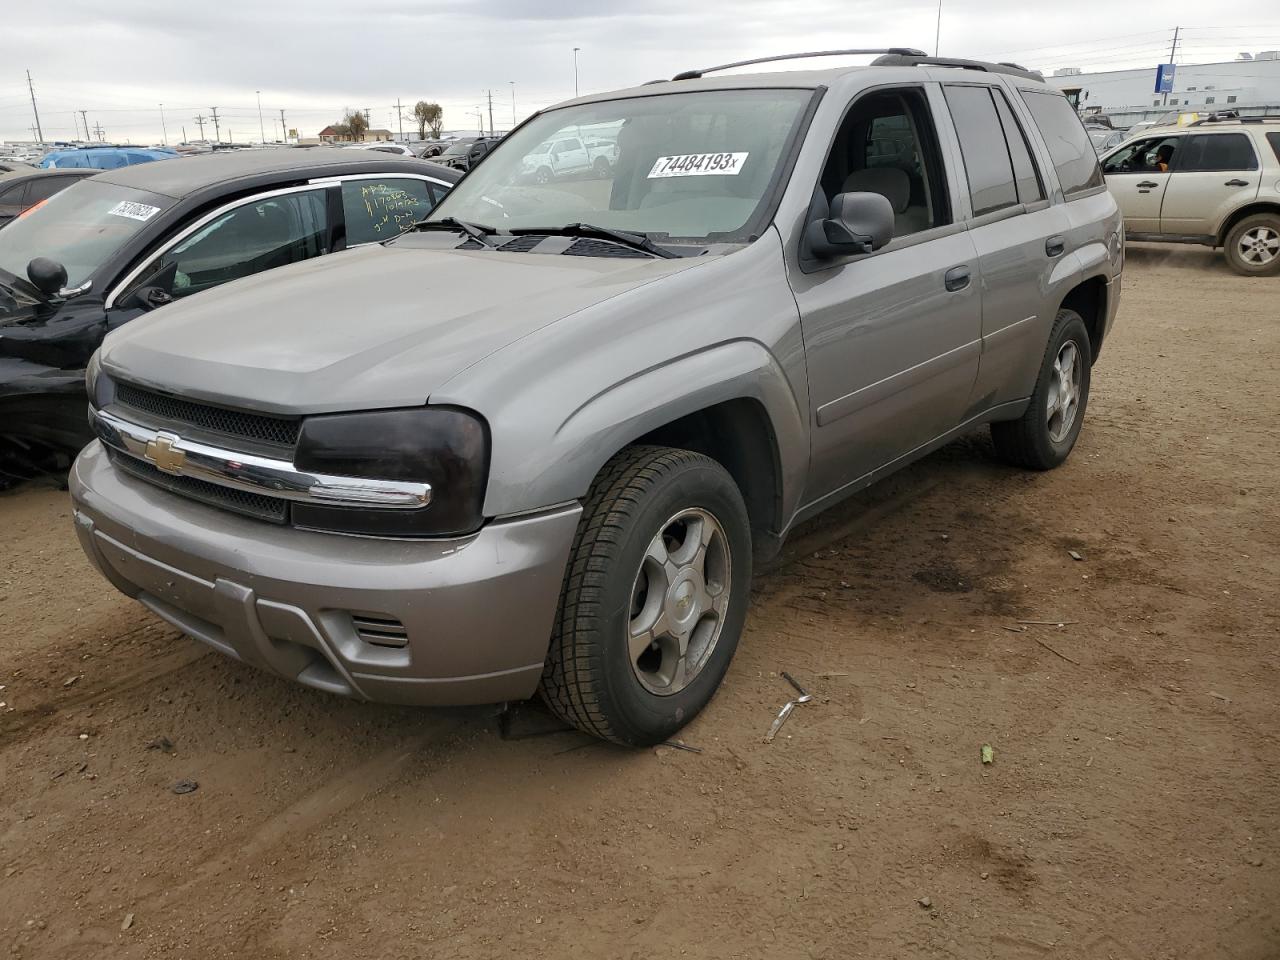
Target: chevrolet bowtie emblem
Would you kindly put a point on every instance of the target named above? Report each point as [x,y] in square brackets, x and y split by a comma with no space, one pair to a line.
[163,452]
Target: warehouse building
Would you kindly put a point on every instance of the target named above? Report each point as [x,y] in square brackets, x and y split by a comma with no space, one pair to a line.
[1251,86]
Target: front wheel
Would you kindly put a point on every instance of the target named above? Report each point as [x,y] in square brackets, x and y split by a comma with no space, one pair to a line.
[1043,436]
[1253,246]
[654,597]
[543,175]
[601,167]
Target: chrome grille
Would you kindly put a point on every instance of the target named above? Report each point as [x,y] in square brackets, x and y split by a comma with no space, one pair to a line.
[254,505]
[257,427]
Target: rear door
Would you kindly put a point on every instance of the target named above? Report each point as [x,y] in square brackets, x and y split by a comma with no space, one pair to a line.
[1020,238]
[1137,182]
[1214,174]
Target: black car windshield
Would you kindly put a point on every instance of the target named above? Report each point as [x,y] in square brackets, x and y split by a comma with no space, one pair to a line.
[81,228]
[693,166]
[458,148]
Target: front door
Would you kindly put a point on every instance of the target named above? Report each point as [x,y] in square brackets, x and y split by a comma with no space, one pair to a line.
[892,338]
[1137,176]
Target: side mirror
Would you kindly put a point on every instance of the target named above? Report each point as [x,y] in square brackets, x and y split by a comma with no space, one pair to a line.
[155,291]
[857,223]
[47,276]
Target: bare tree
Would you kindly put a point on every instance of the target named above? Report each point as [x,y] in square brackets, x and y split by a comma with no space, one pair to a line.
[428,115]
[356,124]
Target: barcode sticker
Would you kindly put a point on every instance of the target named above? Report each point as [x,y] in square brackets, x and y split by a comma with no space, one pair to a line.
[134,211]
[699,165]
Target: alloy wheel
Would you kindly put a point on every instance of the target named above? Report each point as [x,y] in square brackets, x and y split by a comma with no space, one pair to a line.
[1064,392]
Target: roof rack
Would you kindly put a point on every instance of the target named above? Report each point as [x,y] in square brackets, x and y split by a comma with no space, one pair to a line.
[1231,116]
[896,58]
[892,51]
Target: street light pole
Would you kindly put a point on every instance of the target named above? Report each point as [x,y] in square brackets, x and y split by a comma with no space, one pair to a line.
[937,33]
[575,70]
[163,128]
[513,103]
[262,130]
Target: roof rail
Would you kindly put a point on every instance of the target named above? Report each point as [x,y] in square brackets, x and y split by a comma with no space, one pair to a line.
[1231,116]
[893,51]
[896,59]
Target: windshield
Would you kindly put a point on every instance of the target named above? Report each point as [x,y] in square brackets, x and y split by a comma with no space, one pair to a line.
[81,228]
[694,166]
[457,148]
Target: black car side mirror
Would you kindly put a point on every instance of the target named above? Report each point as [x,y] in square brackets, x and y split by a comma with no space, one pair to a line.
[47,276]
[856,223]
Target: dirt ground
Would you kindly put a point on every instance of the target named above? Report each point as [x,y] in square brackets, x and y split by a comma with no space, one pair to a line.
[1132,810]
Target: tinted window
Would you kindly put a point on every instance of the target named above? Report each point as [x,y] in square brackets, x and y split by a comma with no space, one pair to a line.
[1024,170]
[1274,140]
[986,157]
[1218,151]
[381,209]
[251,238]
[14,194]
[1068,144]
[46,187]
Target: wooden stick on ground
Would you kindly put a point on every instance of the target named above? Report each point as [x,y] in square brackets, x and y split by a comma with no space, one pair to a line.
[1056,653]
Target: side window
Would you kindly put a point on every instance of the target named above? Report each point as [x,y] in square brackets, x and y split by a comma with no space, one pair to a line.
[381,209]
[46,187]
[1144,156]
[256,236]
[1030,190]
[982,144]
[1274,140]
[1068,144]
[1218,151]
[14,194]
[887,144]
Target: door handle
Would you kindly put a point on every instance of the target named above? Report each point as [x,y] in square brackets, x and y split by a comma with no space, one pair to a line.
[957,278]
[1147,185]
[1055,246]
[1237,182]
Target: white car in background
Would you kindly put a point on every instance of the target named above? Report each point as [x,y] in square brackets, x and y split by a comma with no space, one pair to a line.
[570,157]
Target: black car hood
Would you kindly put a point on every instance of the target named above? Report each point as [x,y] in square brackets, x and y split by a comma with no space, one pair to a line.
[61,334]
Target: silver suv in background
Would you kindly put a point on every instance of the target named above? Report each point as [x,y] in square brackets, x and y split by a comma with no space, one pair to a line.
[584,409]
[1212,182]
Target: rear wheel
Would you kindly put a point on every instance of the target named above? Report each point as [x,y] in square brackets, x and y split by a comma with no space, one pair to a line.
[654,597]
[1043,436]
[1253,246]
[601,167]
[543,175]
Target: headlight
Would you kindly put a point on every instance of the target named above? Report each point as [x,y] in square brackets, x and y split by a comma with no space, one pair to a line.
[97,385]
[445,447]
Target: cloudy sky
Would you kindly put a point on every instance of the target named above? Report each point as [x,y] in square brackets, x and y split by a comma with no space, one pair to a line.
[120,59]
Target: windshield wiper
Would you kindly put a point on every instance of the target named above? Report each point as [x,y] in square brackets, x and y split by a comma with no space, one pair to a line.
[476,231]
[636,241]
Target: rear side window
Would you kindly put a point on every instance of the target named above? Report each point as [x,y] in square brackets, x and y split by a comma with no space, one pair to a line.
[46,187]
[1068,144]
[381,209]
[1274,140]
[982,143]
[1217,151]
[1024,169]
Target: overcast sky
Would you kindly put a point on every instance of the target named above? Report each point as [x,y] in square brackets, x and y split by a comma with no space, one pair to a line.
[119,59]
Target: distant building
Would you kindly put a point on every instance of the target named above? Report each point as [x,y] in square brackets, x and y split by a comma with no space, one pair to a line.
[336,134]
[1235,84]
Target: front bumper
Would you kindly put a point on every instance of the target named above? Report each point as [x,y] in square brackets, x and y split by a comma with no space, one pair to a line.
[476,612]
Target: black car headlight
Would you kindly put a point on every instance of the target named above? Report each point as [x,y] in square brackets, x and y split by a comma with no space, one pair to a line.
[443,446]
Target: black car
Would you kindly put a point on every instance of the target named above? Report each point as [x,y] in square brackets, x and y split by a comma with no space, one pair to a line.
[23,189]
[465,153]
[124,242]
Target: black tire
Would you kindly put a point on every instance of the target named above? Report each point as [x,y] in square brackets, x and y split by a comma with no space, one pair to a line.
[543,175]
[602,168]
[589,680]
[1236,236]
[1028,441]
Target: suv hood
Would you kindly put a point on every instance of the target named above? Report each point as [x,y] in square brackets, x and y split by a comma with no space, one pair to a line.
[367,328]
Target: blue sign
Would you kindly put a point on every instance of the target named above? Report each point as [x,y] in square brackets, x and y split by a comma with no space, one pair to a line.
[1164,78]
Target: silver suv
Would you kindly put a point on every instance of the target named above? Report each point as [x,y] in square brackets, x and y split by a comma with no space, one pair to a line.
[1215,182]
[581,410]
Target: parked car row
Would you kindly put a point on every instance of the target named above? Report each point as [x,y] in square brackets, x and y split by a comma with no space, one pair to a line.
[117,245]
[537,443]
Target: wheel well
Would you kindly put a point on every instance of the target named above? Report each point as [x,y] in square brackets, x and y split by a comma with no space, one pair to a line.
[1089,299]
[739,436]
[1240,214]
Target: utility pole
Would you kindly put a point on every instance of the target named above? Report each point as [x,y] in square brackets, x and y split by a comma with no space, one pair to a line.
[163,129]
[937,32]
[1173,52]
[575,70]
[184,134]
[31,87]
[491,113]
[200,120]
[284,131]
[217,130]
[98,131]
[513,103]
[262,130]
[85,118]
[480,119]
[400,114]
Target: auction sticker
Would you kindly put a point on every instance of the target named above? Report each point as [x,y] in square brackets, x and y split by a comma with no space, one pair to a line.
[134,211]
[698,165]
